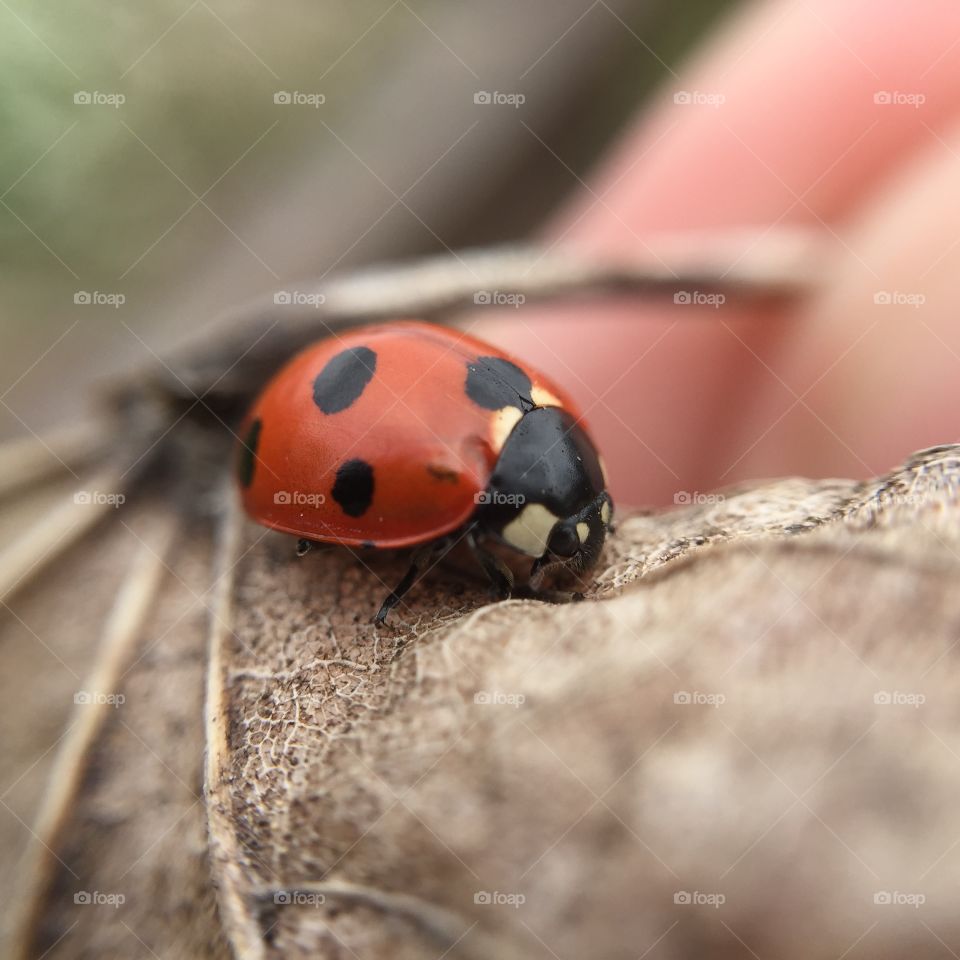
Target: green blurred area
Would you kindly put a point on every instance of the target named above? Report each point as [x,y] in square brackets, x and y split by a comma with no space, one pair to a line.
[99,184]
[97,197]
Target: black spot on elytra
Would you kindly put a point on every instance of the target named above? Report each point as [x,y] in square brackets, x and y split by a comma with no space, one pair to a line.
[494,383]
[340,383]
[353,487]
[247,462]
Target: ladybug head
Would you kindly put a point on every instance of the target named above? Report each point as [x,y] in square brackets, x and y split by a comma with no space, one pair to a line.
[547,496]
[575,542]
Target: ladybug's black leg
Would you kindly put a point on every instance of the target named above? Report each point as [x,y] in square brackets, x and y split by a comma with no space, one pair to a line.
[428,555]
[499,574]
[304,546]
[396,595]
[538,573]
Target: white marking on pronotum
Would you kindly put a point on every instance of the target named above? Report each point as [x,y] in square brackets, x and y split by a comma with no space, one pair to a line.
[530,531]
[502,423]
[543,397]
[605,511]
[583,531]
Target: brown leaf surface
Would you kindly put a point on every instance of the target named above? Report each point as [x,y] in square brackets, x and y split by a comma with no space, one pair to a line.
[364,769]
[369,790]
[109,800]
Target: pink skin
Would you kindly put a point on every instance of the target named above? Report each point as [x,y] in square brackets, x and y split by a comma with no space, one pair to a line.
[682,398]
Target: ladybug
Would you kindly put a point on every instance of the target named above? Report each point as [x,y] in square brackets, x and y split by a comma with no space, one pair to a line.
[406,434]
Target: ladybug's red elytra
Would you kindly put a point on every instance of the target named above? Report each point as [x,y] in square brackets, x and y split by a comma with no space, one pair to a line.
[407,434]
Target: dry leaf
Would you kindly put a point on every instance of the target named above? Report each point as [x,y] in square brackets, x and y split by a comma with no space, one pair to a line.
[743,742]
[522,779]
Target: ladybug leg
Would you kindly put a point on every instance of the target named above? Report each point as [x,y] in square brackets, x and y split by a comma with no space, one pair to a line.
[397,594]
[538,573]
[555,596]
[499,574]
[304,546]
[428,555]
[541,567]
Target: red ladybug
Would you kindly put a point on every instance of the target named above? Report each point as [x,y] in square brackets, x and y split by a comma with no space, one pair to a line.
[406,434]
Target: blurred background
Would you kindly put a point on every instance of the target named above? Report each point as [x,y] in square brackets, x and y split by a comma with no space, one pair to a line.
[166,163]
[198,190]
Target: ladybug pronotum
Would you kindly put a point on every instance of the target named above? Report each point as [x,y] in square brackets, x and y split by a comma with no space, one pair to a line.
[407,434]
